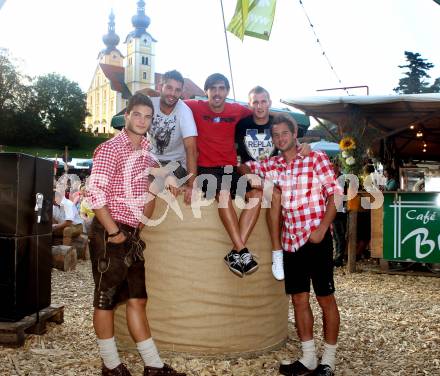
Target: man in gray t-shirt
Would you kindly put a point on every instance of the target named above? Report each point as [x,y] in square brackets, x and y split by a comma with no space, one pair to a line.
[173,131]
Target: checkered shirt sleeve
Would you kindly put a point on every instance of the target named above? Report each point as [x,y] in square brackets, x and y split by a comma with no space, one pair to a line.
[104,167]
[265,168]
[324,170]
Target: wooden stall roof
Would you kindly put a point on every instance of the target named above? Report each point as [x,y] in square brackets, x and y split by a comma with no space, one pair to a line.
[392,115]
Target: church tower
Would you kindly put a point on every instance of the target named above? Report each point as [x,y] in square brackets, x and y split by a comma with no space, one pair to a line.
[105,96]
[140,67]
[111,55]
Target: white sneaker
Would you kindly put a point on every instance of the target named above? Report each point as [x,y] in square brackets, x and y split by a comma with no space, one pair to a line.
[277,265]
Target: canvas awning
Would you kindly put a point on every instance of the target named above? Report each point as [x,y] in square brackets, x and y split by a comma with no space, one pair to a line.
[330,148]
[391,115]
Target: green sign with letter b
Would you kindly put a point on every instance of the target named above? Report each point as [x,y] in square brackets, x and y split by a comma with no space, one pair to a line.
[411,227]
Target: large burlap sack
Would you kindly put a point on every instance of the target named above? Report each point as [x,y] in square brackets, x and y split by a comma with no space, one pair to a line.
[196,305]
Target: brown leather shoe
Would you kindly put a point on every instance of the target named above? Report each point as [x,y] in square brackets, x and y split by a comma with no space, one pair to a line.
[165,371]
[120,370]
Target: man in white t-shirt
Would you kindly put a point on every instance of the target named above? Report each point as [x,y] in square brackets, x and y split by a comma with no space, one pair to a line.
[173,131]
[68,222]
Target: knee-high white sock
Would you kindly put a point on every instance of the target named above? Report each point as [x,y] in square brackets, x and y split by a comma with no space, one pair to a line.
[148,351]
[329,355]
[109,352]
[309,358]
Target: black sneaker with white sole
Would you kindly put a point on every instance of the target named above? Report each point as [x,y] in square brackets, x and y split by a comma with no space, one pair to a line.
[233,260]
[248,264]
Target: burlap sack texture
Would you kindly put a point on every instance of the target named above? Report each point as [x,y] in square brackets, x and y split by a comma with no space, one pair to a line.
[196,305]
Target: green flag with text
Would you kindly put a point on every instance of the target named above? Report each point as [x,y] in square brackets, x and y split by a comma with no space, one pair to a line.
[253,18]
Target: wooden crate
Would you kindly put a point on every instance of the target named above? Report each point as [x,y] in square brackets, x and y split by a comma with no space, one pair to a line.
[14,333]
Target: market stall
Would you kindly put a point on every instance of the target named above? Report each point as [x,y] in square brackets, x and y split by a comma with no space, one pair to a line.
[402,131]
[406,228]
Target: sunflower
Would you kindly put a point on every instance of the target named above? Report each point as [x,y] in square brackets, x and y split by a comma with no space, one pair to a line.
[347,143]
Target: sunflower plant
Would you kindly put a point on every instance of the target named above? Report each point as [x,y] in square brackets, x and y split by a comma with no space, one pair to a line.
[350,156]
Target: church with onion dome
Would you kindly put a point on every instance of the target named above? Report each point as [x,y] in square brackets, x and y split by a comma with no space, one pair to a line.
[118,76]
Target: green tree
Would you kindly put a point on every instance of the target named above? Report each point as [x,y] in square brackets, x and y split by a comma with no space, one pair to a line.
[415,80]
[61,107]
[19,123]
[14,95]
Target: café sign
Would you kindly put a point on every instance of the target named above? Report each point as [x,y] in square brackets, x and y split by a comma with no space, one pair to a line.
[411,227]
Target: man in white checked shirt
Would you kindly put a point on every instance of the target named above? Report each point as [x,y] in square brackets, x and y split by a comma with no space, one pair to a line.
[308,187]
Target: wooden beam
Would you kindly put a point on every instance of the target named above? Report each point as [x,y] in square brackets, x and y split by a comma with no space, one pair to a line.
[352,241]
[332,135]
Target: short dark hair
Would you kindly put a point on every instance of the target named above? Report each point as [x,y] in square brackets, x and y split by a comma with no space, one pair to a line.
[288,120]
[139,99]
[173,75]
[391,172]
[215,78]
[258,90]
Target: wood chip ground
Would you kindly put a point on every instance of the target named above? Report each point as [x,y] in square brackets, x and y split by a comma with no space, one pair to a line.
[390,325]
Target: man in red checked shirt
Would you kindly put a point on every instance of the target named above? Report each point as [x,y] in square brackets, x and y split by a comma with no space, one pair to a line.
[119,193]
[308,187]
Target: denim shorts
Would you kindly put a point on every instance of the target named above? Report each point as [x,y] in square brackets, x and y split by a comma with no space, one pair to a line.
[118,269]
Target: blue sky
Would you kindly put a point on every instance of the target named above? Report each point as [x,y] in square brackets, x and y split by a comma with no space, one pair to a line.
[365,41]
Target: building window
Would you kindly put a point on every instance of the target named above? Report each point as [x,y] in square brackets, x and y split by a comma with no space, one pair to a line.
[144,75]
[144,60]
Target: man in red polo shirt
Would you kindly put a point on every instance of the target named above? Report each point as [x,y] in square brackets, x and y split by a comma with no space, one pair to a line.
[119,193]
[308,187]
[217,157]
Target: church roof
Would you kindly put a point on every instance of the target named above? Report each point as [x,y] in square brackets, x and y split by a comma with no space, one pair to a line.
[190,89]
[116,76]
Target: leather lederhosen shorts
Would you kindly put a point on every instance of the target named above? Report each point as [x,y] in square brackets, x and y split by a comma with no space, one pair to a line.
[118,269]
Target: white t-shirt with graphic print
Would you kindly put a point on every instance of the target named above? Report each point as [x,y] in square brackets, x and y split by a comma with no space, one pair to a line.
[167,132]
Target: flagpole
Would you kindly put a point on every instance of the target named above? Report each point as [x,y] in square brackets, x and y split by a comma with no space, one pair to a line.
[227,49]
